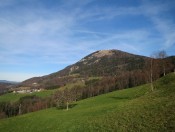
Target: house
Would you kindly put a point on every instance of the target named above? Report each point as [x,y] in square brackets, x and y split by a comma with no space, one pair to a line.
[26,90]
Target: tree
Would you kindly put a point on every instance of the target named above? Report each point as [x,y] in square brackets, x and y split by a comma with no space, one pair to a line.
[151,74]
[19,109]
[154,70]
[162,55]
[157,61]
[65,97]
[174,65]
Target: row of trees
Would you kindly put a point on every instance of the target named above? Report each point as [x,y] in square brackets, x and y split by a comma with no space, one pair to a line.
[154,67]
[25,105]
[159,66]
[65,97]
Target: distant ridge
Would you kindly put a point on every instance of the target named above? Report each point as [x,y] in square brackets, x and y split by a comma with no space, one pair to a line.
[8,82]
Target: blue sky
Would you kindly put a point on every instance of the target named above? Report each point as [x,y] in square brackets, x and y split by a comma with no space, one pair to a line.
[38,37]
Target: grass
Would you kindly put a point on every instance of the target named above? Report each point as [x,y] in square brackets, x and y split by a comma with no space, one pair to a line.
[134,109]
[12,97]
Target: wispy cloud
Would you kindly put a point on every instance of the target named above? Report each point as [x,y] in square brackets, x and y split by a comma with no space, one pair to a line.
[39,36]
[61,34]
[165,25]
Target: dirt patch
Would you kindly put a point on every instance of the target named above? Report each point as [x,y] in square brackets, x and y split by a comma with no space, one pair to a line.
[102,53]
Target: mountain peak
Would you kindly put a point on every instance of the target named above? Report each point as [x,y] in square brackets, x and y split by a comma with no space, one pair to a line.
[102,53]
[96,56]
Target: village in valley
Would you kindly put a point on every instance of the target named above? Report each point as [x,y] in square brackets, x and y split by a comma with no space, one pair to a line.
[24,89]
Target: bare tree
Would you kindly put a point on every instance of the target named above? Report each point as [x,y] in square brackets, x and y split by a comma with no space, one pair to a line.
[65,97]
[153,70]
[162,55]
[151,74]
[19,109]
[157,62]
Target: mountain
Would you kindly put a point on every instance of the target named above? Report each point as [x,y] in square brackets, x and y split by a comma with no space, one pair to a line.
[103,63]
[6,85]
[8,82]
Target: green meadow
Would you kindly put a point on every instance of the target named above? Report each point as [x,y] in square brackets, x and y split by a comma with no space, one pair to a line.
[134,109]
[12,97]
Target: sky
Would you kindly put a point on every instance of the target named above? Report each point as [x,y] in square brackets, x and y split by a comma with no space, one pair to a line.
[39,37]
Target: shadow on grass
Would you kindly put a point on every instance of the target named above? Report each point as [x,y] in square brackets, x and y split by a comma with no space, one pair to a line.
[121,98]
[72,105]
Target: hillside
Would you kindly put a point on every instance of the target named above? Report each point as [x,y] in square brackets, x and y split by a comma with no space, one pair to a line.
[114,63]
[105,62]
[135,109]
[5,86]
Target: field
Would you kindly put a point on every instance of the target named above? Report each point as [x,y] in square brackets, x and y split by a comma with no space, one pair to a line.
[134,109]
[12,97]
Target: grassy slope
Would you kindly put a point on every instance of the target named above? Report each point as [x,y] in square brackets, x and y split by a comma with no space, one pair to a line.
[16,96]
[136,109]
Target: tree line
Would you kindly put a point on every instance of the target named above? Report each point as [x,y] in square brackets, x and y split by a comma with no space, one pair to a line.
[25,105]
